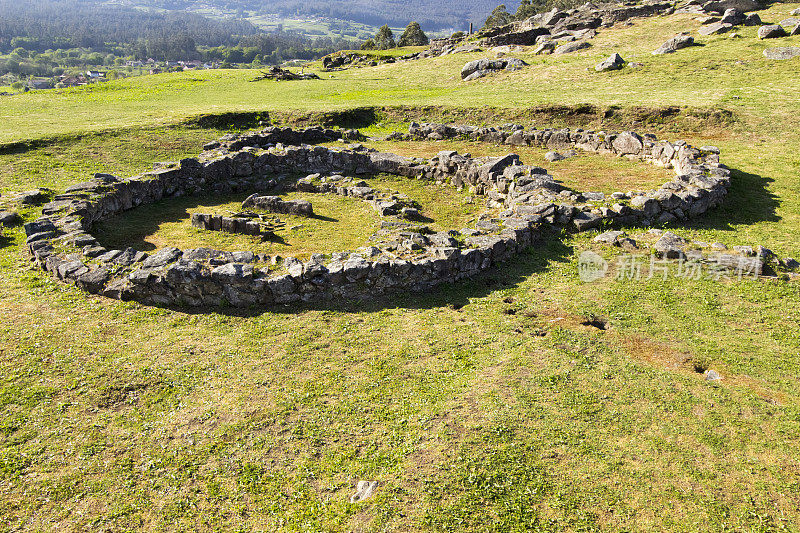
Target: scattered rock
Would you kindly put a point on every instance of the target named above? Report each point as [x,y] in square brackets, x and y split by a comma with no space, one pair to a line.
[546,47]
[609,237]
[364,489]
[752,20]
[583,221]
[483,67]
[733,16]
[612,62]
[669,245]
[32,197]
[712,375]
[783,52]
[571,47]
[627,244]
[789,23]
[410,213]
[681,40]
[553,156]
[8,218]
[721,6]
[771,31]
[715,29]
[791,263]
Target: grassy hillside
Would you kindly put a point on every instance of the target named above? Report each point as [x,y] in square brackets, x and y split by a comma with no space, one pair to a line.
[754,86]
[489,405]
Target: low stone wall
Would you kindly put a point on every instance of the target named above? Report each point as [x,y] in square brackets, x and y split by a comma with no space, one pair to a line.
[274,204]
[274,135]
[238,225]
[525,200]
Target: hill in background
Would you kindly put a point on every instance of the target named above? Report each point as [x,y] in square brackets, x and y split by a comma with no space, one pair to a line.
[432,15]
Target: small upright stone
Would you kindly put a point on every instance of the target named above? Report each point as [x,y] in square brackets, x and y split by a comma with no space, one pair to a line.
[612,62]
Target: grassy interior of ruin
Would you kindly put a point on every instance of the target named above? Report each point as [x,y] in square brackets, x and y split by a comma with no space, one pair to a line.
[484,405]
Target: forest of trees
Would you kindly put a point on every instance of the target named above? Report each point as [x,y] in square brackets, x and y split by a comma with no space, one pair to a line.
[432,15]
[49,37]
[526,9]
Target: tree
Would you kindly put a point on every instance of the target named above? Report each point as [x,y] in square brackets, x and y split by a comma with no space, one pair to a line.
[413,36]
[369,44]
[384,39]
[525,10]
[499,17]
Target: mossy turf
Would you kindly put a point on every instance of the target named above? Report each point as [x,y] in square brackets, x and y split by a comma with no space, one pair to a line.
[489,405]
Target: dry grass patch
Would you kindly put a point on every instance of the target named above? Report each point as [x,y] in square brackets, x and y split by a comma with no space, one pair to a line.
[582,172]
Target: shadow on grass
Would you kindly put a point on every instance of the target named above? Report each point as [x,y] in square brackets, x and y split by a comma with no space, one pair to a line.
[748,202]
[145,220]
[5,240]
[506,275]
[324,218]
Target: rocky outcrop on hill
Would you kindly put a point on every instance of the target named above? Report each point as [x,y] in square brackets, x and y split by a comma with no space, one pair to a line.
[587,17]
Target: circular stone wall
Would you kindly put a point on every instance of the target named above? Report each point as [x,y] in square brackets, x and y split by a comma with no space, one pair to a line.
[522,202]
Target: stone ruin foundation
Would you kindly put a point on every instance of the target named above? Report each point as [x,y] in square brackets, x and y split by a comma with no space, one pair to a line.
[523,202]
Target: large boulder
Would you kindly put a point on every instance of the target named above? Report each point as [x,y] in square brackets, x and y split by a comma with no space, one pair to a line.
[721,6]
[782,52]
[771,31]
[612,62]
[681,40]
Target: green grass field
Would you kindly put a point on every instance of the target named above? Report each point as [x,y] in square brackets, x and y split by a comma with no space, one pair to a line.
[488,405]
